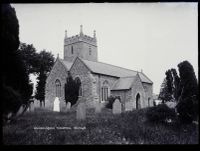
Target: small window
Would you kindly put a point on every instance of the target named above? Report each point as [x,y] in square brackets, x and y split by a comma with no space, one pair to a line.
[72,50]
[90,51]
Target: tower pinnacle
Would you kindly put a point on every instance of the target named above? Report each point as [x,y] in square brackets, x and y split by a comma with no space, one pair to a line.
[65,33]
[94,35]
[81,29]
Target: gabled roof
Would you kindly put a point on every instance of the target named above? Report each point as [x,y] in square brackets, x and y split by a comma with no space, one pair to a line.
[67,64]
[123,83]
[111,70]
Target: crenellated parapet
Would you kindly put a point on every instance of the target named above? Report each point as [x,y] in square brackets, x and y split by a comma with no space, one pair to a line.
[79,38]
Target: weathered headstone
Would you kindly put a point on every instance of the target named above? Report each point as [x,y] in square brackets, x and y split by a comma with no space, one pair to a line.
[97,107]
[68,106]
[128,106]
[37,104]
[31,107]
[81,111]
[56,105]
[117,108]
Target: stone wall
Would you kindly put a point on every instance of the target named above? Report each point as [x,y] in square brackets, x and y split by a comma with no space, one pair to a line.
[59,72]
[148,88]
[79,69]
[100,79]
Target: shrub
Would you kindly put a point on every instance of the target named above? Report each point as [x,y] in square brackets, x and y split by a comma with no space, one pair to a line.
[185,108]
[111,100]
[160,113]
[11,102]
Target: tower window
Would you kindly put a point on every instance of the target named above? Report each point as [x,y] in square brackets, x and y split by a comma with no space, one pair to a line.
[72,50]
[90,51]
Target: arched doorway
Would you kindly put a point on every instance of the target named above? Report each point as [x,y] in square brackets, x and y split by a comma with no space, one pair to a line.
[138,103]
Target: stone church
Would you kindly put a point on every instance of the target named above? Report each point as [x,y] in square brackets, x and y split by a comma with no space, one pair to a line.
[98,80]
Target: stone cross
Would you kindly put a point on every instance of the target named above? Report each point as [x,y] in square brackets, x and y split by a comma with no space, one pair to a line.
[117,109]
[56,105]
[68,106]
[81,111]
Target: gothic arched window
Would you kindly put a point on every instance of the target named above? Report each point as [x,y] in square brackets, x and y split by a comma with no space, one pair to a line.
[58,88]
[78,82]
[105,91]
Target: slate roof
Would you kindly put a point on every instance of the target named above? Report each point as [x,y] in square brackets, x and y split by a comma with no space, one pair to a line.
[123,83]
[66,63]
[107,69]
[126,76]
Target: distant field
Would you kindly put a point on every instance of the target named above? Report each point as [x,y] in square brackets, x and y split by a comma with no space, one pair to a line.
[103,128]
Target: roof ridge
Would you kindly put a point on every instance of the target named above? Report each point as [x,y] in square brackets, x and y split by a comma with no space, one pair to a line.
[111,65]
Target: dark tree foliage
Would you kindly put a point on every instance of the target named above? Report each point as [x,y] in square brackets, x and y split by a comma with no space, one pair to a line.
[188,100]
[169,80]
[40,93]
[29,57]
[160,113]
[71,90]
[164,94]
[45,63]
[14,76]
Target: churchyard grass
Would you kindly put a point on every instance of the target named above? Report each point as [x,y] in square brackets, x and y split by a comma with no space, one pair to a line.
[102,128]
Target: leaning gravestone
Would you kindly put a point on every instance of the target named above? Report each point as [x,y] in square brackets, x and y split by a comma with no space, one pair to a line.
[32,108]
[117,109]
[56,105]
[81,111]
[68,106]
[97,107]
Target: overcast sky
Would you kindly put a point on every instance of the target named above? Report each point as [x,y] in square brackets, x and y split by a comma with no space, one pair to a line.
[153,37]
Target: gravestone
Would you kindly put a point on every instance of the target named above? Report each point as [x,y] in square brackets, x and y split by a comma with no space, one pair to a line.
[117,108]
[56,105]
[37,104]
[68,106]
[31,107]
[128,106]
[97,107]
[81,111]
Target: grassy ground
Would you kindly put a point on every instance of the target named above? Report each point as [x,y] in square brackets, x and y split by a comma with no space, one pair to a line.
[103,128]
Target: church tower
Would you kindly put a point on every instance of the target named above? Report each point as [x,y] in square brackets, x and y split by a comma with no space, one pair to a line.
[80,45]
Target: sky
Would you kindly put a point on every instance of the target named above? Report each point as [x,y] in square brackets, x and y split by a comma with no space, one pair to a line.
[152,37]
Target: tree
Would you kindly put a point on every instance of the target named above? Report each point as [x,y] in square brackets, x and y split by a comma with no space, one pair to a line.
[166,87]
[71,90]
[40,93]
[188,100]
[45,63]
[14,77]
[29,57]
